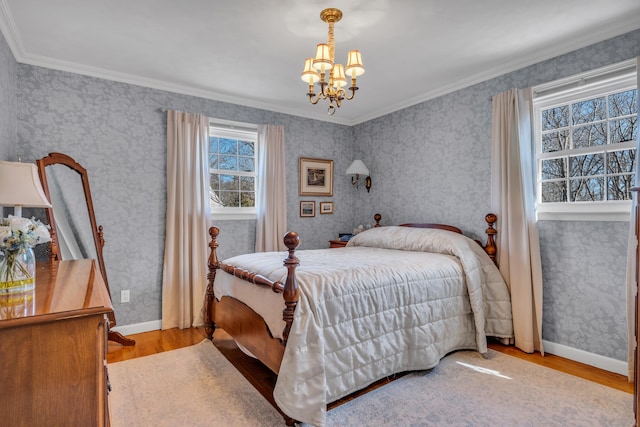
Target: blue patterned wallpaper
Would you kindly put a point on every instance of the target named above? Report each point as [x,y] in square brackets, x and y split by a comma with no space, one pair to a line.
[584,266]
[429,162]
[8,124]
[118,133]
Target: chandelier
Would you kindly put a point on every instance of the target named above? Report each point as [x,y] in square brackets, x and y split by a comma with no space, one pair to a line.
[316,70]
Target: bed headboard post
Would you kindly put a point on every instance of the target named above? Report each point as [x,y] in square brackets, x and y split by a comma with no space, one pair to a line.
[377,217]
[291,292]
[490,247]
[213,265]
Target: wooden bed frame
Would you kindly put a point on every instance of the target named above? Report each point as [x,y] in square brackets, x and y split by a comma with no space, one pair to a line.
[248,328]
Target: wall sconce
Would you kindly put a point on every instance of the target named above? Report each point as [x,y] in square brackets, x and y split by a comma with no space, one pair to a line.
[358,168]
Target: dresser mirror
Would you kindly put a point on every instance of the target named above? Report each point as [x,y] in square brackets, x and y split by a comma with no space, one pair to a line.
[74,231]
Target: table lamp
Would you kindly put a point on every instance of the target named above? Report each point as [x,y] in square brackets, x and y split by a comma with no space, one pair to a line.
[20,186]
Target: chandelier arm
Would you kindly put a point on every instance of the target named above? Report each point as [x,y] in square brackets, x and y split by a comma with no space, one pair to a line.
[325,89]
[314,102]
[323,94]
[353,90]
[332,108]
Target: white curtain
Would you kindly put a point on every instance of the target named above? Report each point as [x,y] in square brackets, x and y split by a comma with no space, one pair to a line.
[632,286]
[271,197]
[186,244]
[513,200]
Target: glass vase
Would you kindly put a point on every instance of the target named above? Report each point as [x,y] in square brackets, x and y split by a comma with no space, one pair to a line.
[17,270]
[18,304]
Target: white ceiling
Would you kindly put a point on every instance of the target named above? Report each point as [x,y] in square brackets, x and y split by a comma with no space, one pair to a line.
[251,52]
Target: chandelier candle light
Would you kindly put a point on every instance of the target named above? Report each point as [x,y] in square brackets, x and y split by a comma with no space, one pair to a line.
[317,69]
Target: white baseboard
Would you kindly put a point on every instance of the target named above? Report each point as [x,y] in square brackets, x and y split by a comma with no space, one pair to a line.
[138,328]
[602,362]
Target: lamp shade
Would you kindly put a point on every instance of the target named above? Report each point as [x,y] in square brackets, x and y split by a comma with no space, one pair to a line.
[309,74]
[20,186]
[339,79]
[357,168]
[354,64]
[323,61]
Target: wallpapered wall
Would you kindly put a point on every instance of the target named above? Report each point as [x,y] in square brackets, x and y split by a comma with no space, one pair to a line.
[118,133]
[431,162]
[8,124]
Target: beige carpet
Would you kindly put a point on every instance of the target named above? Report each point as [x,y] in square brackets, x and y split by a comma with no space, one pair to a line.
[197,386]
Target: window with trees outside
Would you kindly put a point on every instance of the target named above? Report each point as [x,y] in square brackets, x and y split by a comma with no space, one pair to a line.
[586,149]
[233,172]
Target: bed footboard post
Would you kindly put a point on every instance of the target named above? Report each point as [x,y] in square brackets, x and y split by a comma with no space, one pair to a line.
[209,324]
[491,249]
[291,293]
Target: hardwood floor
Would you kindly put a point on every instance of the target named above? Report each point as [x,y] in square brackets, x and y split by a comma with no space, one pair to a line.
[153,342]
[263,379]
[578,369]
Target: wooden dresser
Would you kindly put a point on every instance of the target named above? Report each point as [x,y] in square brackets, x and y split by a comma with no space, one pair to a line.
[53,344]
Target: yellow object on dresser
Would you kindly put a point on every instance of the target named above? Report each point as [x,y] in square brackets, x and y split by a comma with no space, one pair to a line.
[53,342]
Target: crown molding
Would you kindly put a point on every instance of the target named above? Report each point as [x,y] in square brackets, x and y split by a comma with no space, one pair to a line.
[10,31]
[75,68]
[630,24]
[12,36]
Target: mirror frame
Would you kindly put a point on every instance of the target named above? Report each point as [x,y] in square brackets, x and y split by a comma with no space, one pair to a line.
[97,231]
[98,237]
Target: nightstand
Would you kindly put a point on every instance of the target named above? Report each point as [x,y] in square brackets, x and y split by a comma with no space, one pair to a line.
[337,244]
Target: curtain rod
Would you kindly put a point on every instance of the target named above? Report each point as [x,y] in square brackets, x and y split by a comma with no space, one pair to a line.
[222,123]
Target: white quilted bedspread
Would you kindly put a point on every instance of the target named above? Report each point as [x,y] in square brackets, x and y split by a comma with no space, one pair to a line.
[395,299]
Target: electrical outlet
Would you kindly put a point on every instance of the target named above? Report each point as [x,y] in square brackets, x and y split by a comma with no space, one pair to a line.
[124,296]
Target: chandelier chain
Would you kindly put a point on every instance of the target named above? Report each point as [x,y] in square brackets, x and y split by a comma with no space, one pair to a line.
[332,43]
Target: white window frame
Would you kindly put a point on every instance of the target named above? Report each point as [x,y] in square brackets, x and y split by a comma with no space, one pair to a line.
[245,132]
[601,82]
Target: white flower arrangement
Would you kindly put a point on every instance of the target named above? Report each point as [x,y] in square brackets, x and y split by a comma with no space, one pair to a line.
[17,263]
[19,233]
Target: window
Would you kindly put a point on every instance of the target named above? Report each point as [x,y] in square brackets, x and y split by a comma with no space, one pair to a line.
[233,172]
[586,149]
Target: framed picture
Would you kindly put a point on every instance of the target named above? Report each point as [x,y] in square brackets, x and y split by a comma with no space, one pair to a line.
[326,207]
[307,208]
[316,177]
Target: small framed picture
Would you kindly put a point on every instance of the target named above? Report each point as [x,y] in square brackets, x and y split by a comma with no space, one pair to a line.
[307,208]
[326,207]
[316,177]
